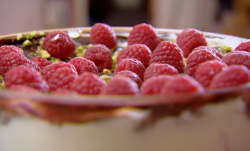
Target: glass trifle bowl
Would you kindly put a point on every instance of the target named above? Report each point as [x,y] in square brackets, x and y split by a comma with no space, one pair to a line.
[212,120]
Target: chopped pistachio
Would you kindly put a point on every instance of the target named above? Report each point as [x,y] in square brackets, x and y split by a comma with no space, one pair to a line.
[41,33]
[106,78]
[31,35]
[1,82]
[80,50]
[226,49]
[41,41]
[27,43]
[45,54]
[106,71]
[21,50]
[114,57]
[12,40]
[19,37]
[53,60]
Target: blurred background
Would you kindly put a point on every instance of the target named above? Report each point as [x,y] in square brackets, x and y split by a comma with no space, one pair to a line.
[221,16]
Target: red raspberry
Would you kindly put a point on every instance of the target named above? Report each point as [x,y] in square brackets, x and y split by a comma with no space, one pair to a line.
[169,53]
[59,44]
[120,85]
[22,75]
[41,62]
[159,69]
[87,83]
[154,84]
[100,55]
[138,51]
[244,46]
[181,84]
[83,64]
[196,58]
[232,76]
[59,75]
[131,75]
[237,58]
[103,34]
[133,65]
[10,56]
[207,70]
[23,88]
[209,49]
[144,34]
[189,39]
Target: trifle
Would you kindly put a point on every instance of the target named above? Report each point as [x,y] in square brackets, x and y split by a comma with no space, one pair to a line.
[124,88]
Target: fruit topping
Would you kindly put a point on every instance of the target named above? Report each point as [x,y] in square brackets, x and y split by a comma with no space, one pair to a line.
[83,65]
[59,75]
[103,34]
[11,56]
[133,65]
[144,34]
[189,39]
[168,52]
[59,44]
[41,62]
[198,56]
[159,69]
[232,76]
[22,75]
[138,51]
[244,46]
[181,84]
[207,70]
[131,75]
[120,85]
[100,55]
[87,83]
[237,58]
[154,84]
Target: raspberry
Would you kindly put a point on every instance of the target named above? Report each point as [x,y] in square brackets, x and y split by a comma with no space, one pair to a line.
[234,75]
[159,69]
[10,56]
[131,75]
[41,62]
[210,49]
[189,39]
[154,84]
[237,58]
[181,84]
[100,55]
[196,58]
[138,51]
[59,44]
[23,88]
[103,34]
[207,70]
[22,75]
[83,64]
[144,34]
[59,75]
[169,53]
[87,83]
[120,85]
[244,46]
[133,65]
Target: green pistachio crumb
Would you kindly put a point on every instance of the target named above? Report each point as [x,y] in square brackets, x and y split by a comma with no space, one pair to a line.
[53,60]
[106,71]
[1,82]
[227,49]
[41,33]
[41,41]
[106,78]
[27,43]
[80,50]
[19,37]
[31,35]
[21,50]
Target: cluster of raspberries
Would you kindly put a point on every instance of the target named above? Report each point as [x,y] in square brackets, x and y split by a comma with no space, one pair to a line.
[148,65]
